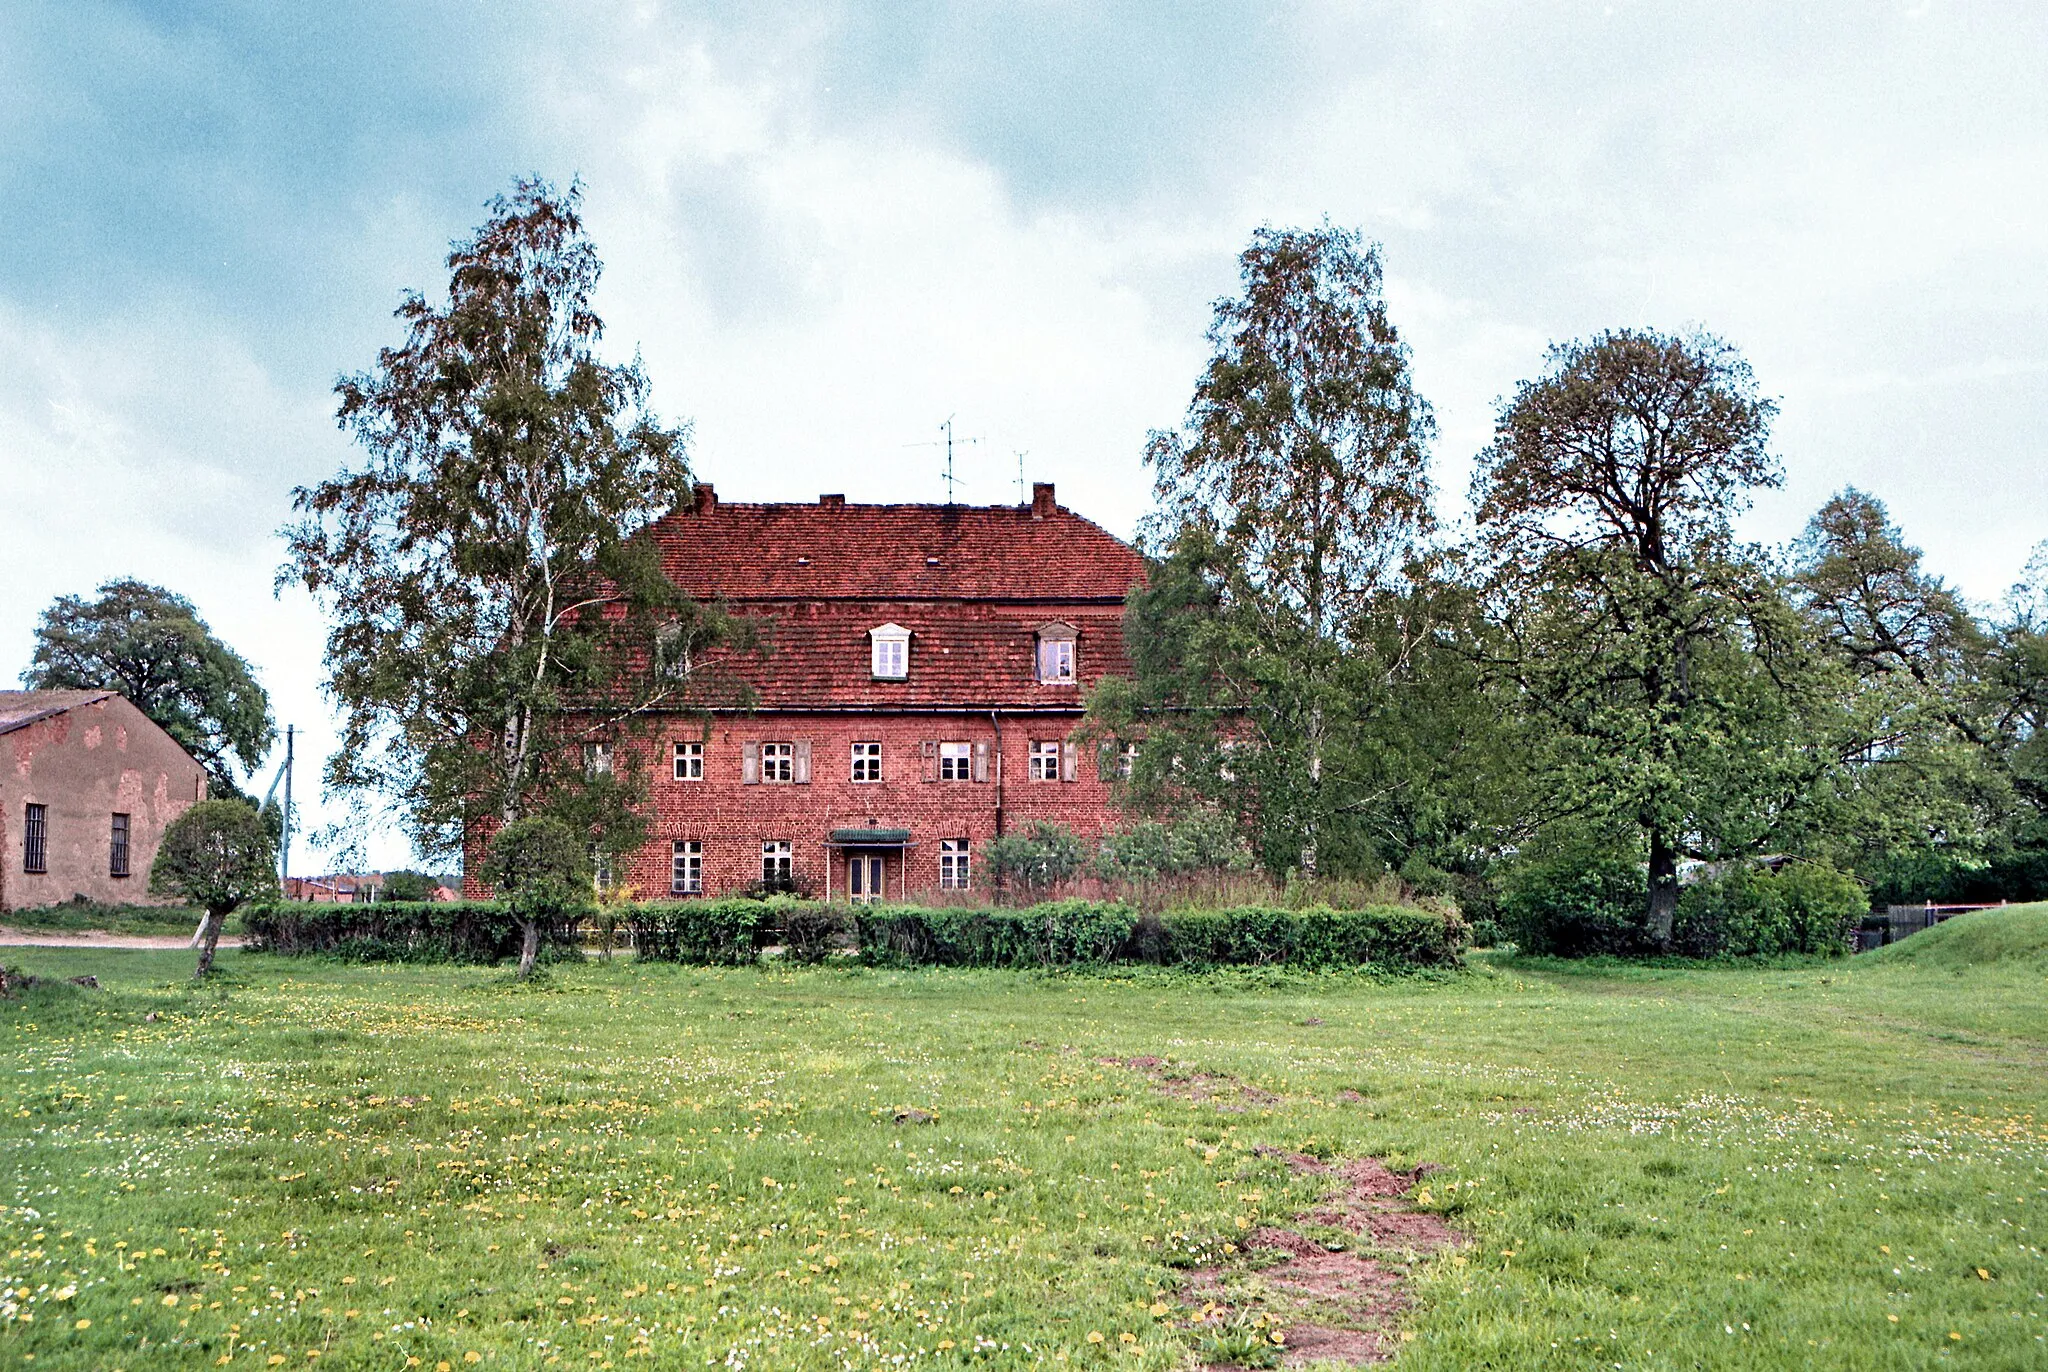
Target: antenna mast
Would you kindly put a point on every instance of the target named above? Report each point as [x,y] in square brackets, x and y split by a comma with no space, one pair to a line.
[952,482]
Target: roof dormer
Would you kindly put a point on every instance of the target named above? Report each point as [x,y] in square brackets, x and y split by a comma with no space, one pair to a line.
[889,652]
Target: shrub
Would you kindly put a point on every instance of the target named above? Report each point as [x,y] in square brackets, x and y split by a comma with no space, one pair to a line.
[1038,859]
[1062,933]
[1577,902]
[404,931]
[715,933]
[1749,911]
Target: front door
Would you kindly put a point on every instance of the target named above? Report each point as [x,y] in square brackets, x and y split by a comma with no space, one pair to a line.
[866,878]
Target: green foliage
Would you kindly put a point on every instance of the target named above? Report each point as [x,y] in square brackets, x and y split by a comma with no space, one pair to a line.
[1037,858]
[217,855]
[1582,900]
[1067,933]
[1199,840]
[409,886]
[151,646]
[1389,936]
[706,933]
[539,867]
[494,620]
[1750,911]
[405,931]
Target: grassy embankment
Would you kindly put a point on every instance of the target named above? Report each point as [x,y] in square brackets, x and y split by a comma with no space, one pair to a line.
[74,917]
[1830,1166]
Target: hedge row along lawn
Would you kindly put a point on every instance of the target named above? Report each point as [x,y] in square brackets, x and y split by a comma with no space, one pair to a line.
[390,1166]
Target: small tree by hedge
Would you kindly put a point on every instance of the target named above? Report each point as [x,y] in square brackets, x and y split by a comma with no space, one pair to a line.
[218,854]
[541,870]
[1750,911]
[1038,859]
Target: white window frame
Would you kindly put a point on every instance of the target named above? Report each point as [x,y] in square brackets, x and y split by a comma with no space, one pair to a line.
[956,761]
[686,867]
[1058,658]
[889,653]
[597,759]
[1045,760]
[778,763]
[1126,760]
[866,761]
[955,859]
[600,871]
[689,762]
[778,862]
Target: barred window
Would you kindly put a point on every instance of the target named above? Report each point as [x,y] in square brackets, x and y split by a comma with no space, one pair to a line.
[687,868]
[867,762]
[953,864]
[117,848]
[35,838]
[689,762]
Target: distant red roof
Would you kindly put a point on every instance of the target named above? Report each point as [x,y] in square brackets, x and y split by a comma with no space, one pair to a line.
[832,550]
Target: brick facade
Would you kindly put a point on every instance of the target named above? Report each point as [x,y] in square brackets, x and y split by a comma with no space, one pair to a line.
[978,590]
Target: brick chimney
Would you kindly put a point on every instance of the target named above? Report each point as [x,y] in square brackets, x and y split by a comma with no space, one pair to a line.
[832,502]
[707,498]
[1042,503]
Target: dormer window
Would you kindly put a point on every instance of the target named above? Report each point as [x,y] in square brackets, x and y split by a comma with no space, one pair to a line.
[1056,654]
[889,652]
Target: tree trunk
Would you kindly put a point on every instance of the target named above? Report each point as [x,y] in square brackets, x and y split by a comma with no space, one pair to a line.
[1663,892]
[209,939]
[529,946]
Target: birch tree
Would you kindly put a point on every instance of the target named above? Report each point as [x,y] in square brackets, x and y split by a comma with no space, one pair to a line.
[496,624]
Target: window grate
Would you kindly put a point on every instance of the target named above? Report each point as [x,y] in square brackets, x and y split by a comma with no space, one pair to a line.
[117,849]
[35,838]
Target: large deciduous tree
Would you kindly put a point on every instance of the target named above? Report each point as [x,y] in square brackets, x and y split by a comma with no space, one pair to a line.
[151,646]
[1661,666]
[496,623]
[1294,502]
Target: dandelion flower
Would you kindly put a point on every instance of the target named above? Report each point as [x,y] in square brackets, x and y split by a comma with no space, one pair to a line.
[1095,1336]
[83,1324]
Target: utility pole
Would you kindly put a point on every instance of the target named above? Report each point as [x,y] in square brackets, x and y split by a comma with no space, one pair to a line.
[284,845]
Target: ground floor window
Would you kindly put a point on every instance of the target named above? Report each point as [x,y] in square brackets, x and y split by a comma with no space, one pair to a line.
[953,864]
[778,865]
[117,849]
[35,839]
[687,868]
[600,869]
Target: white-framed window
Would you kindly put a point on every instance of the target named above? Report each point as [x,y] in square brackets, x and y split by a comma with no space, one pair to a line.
[1045,759]
[1126,760]
[953,859]
[686,868]
[889,652]
[600,869]
[778,864]
[1056,654]
[867,762]
[956,762]
[778,762]
[689,762]
[597,759]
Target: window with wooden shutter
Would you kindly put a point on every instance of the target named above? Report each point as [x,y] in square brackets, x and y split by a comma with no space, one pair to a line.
[928,751]
[750,764]
[803,762]
[1069,764]
[981,762]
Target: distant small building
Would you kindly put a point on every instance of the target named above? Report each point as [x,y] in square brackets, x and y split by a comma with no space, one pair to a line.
[337,888]
[88,784]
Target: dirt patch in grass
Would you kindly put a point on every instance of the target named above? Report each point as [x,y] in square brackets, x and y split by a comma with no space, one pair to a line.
[1335,1301]
[1220,1089]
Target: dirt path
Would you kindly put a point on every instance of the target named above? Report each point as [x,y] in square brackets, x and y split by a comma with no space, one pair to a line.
[97,938]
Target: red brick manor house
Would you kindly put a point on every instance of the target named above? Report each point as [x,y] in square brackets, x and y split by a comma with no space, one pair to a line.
[924,677]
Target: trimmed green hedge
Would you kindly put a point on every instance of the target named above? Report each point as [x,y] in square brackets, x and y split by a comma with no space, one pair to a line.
[402,931]
[1067,933]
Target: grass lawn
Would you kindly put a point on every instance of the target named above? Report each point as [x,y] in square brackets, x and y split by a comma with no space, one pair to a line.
[78,916]
[389,1167]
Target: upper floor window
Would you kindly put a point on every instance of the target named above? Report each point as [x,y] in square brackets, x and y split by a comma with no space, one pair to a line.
[956,761]
[689,762]
[1056,653]
[597,759]
[117,848]
[35,838]
[778,762]
[867,762]
[1126,760]
[889,652]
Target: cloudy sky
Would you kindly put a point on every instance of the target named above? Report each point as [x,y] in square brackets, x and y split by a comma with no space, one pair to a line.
[829,226]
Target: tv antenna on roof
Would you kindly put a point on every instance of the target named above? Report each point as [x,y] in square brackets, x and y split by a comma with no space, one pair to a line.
[1022,497]
[947,429]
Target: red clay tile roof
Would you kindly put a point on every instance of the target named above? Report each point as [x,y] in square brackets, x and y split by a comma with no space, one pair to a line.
[1039,552]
